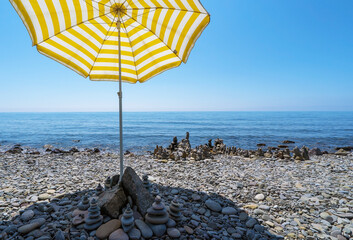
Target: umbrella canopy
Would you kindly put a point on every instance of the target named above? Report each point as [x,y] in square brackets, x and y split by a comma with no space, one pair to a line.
[156,35]
[114,40]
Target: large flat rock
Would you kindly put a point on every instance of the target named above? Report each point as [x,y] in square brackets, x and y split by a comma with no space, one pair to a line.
[133,187]
[112,201]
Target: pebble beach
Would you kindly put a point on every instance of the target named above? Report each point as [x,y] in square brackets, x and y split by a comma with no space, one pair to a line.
[228,197]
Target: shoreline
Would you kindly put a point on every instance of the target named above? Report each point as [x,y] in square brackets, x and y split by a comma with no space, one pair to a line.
[18,148]
[310,199]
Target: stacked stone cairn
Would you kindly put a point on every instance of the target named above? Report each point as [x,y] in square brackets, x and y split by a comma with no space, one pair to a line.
[219,147]
[175,210]
[146,183]
[182,151]
[268,153]
[127,220]
[107,183]
[94,218]
[302,154]
[154,191]
[157,217]
[84,204]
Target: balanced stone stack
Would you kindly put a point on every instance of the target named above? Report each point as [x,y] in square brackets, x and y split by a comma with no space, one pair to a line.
[157,217]
[155,192]
[157,214]
[174,145]
[219,147]
[84,204]
[127,220]
[259,152]
[268,153]
[107,183]
[160,153]
[94,218]
[175,210]
[305,153]
[146,183]
[286,154]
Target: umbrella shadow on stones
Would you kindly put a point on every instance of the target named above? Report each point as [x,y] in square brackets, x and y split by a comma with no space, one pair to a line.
[212,216]
[205,216]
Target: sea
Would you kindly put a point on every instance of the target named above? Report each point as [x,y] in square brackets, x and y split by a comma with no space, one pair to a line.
[144,130]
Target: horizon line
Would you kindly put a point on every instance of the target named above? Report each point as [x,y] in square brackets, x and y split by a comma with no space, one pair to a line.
[176,111]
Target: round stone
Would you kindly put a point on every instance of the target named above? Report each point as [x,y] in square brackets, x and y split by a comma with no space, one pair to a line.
[243,216]
[229,211]
[173,232]
[196,197]
[259,197]
[106,229]
[171,223]
[27,215]
[159,229]
[157,219]
[77,220]
[250,223]
[118,235]
[59,235]
[146,231]
[189,230]
[214,206]
[31,226]
[134,234]
[44,196]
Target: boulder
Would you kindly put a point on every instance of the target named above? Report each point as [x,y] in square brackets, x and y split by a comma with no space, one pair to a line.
[305,153]
[15,149]
[315,152]
[133,186]
[342,152]
[297,155]
[112,201]
[348,149]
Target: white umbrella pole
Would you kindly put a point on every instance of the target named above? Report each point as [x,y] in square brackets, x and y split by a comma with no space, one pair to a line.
[120,93]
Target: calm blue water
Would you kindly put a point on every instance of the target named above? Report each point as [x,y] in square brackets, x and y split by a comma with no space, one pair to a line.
[143,131]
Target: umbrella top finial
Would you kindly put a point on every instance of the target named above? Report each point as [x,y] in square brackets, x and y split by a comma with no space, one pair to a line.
[118,9]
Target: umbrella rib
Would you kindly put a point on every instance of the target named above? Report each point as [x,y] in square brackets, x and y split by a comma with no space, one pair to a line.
[95,2]
[155,35]
[111,4]
[72,27]
[100,49]
[175,9]
[132,51]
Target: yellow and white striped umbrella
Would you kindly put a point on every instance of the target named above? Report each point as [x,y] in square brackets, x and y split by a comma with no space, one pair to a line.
[114,40]
[156,35]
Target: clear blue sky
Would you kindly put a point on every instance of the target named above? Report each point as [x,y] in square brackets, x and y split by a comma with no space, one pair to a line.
[254,55]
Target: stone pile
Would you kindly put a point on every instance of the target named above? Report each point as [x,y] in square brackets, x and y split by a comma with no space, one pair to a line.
[183,151]
[94,218]
[146,183]
[84,204]
[16,149]
[175,210]
[127,220]
[219,147]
